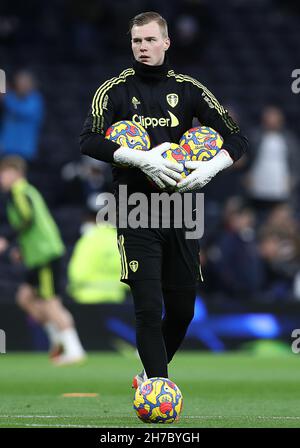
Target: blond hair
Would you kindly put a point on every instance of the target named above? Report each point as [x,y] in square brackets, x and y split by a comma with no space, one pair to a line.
[14,162]
[146,17]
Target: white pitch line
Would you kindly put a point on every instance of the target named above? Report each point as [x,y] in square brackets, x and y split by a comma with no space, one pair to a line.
[38,416]
[68,425]
[184,417]
[86,426]
[264,417]
[54,425]
[63,426]
[279,418]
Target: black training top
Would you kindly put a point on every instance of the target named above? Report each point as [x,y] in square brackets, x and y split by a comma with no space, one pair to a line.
[164,103]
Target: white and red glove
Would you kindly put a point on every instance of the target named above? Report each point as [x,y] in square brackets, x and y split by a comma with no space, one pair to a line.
[203,172]
[163,172]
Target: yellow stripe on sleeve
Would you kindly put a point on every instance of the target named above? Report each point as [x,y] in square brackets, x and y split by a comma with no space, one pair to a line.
[97,103]
[218,107]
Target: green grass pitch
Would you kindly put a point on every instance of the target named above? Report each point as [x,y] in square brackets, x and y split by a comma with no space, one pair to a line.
[220,391]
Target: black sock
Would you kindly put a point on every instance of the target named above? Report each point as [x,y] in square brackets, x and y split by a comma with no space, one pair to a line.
[179,312]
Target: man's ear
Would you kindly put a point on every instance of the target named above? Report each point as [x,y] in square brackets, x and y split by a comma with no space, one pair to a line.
[167,43]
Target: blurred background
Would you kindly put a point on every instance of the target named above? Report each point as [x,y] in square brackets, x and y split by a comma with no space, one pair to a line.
[56,54]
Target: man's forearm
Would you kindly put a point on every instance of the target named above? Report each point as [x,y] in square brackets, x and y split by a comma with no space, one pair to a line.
[97,147]
[236,145]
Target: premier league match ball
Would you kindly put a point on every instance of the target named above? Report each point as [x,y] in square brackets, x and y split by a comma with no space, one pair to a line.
[158,400]
[202,143]
[178,154]
[129,134]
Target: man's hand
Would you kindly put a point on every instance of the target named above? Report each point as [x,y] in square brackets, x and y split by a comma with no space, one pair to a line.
[203,172]
[163,172]
[3,244]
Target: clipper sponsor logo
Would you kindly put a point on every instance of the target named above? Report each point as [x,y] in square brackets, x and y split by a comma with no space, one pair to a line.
[154,122]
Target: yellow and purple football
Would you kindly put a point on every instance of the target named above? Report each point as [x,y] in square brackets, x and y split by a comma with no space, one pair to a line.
[178,154]
[129,134]
[158,400]
[202,143]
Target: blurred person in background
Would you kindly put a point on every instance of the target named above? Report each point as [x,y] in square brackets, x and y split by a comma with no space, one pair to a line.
[233,260]
[86,24]
[275,164]
[98,280]
[84,180]
[22,117]
[193,25]
[41,249]
[281,222]
[283,219]
[229,183]
[278,265]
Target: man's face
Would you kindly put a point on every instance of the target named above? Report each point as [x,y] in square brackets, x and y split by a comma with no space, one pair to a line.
[148,44]
[8,177]
[273,119]
[23,83]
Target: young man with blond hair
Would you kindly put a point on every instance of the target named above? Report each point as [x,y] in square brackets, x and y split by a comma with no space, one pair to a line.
[160,265]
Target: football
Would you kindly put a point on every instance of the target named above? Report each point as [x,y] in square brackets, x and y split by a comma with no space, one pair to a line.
[129,134]
[178,154]
[202,143]
[158,400]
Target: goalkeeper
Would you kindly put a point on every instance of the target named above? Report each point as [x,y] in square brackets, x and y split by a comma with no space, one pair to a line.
[160,265]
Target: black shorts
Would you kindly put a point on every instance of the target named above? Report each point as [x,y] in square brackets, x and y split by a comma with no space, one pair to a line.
[45,279]
[159,254]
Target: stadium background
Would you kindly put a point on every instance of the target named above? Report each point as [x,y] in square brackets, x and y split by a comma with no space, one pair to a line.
[245,53]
